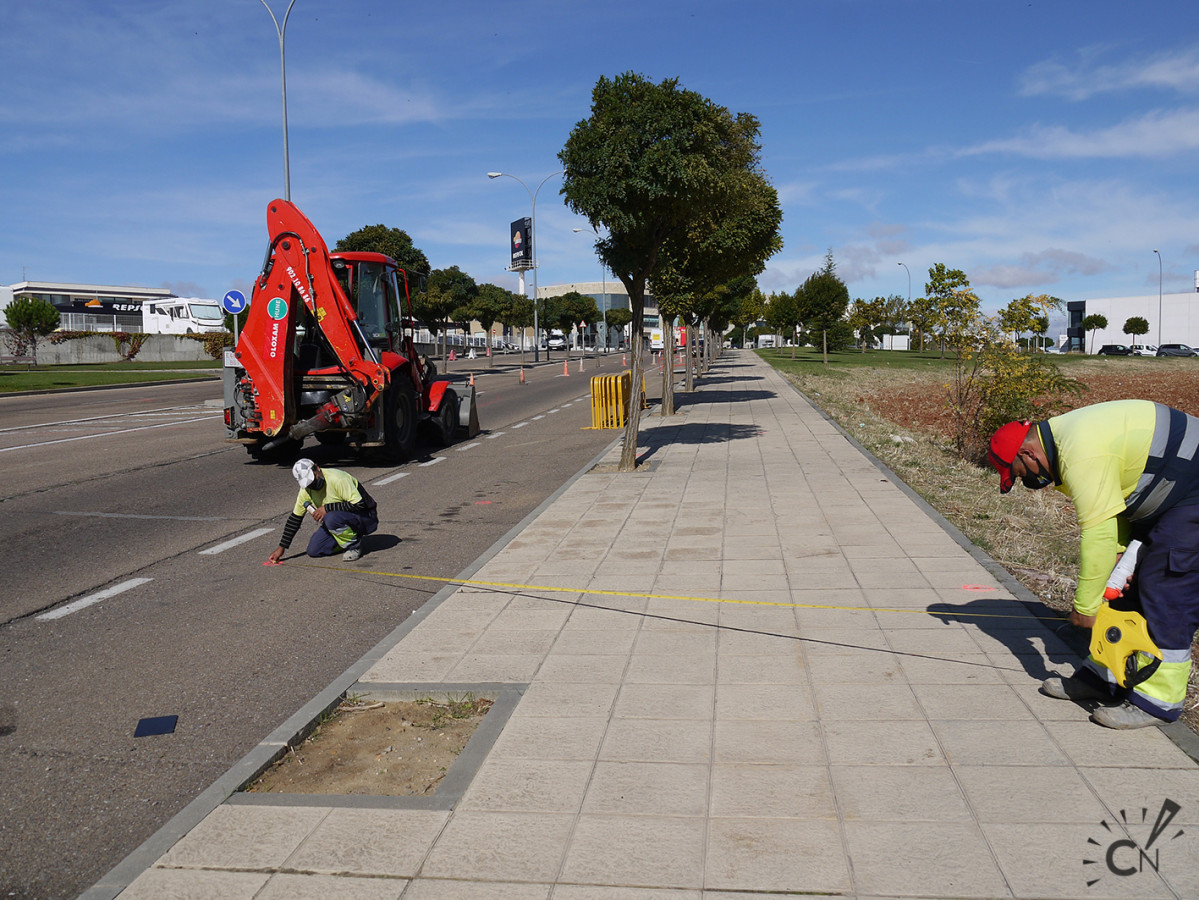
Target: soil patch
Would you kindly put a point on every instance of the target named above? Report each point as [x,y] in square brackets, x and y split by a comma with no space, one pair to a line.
[377,748]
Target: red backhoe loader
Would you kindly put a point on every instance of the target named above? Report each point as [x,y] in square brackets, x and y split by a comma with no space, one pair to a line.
[328,350]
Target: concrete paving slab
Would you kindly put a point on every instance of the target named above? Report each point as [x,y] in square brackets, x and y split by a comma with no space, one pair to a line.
[770,669]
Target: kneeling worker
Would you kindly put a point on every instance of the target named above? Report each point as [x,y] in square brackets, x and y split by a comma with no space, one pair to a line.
[341,506]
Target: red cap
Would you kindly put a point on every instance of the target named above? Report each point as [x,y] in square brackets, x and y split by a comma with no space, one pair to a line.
[1005,444]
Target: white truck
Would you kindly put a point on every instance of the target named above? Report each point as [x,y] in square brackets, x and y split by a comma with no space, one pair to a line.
[182,315]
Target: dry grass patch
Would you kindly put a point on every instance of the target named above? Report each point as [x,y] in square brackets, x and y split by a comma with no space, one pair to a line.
[901,417]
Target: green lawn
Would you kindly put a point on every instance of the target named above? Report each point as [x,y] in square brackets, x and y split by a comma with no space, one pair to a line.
[42,378]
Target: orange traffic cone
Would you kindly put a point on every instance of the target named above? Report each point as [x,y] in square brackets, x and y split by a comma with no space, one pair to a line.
[472,379]
[566,366]
[580,362]
[624,360]
[522,374]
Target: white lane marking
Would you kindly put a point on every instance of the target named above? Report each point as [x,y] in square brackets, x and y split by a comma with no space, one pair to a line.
[434,461]
[489,437]
[234,542]
[124,415]
[390,478]
[552,411]
[469,446]
[535,418]
[88,437]
[520,425]
[108,515]
[84,602]
[566,404]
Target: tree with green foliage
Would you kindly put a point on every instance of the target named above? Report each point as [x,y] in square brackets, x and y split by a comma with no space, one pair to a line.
[954,304]
[490,305]
[783,314]
[750,309]
[393,242]
[1136,326]
[866,317]
[571,309]
[519,317]
[823,299]
[30,318]
[449,293]
[1093,323]
[654,164]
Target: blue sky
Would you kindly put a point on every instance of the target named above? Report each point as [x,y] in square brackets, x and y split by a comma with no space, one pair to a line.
[1042,147]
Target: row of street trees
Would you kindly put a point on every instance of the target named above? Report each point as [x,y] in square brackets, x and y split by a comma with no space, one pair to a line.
[820,312]
[675,181]
[1134,327]
[444,299]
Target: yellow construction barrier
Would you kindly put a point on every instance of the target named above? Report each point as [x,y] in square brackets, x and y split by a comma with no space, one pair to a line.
[610,399]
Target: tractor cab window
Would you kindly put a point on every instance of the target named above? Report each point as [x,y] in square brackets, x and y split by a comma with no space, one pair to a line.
[371,301]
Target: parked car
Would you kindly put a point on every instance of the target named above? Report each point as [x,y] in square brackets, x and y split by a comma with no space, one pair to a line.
[1115,350]
[1144,350]
[1176,350]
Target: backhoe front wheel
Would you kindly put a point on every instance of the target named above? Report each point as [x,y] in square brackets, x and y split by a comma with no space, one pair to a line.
[400,424]
[447,419]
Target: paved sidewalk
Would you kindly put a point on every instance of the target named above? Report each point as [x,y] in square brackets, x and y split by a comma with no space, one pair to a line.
[772,708]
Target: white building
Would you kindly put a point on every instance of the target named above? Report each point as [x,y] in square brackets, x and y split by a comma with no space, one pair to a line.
[1173,319]
[88,307]
[607,295]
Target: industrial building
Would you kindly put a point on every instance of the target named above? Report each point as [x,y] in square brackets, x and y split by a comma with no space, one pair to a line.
[1172,318]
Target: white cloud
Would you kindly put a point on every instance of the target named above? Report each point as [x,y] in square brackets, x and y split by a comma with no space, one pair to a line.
[1156,134]
[1175,70]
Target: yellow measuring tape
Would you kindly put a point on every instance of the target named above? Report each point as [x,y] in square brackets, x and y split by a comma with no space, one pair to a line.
[602,593]
[1116,637]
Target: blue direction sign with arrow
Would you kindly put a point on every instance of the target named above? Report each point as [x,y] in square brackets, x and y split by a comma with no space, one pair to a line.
[233,302]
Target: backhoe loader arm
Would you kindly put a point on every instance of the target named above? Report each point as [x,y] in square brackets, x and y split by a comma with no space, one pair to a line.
[297,269]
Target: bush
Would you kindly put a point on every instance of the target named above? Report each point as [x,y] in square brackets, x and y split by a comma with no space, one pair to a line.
[995,385]
[214,342]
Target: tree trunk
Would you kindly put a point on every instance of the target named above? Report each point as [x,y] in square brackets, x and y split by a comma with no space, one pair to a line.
[689,345]
[667,371]
[628,453]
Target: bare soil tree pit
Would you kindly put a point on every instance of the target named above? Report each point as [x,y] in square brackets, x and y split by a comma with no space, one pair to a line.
[378,748]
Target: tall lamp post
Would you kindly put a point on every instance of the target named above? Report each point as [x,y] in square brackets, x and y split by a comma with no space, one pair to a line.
[1159,298]
[281,30]
[909,271]
[532,246]
[604,289]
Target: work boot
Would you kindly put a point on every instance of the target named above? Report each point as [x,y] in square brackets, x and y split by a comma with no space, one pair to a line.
[1124,716]
[352,554]
[1073,688]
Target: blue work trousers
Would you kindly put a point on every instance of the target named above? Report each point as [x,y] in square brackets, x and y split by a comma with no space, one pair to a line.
[341,531]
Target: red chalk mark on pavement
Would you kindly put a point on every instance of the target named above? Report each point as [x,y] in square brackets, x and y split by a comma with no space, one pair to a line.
[977,587]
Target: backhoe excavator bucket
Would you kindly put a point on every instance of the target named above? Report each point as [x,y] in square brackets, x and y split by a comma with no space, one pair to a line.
[468,414]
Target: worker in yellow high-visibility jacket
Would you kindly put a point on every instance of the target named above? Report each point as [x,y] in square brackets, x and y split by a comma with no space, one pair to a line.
[1131,468]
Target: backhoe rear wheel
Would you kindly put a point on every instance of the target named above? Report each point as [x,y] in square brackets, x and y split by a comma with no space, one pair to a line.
[400,424]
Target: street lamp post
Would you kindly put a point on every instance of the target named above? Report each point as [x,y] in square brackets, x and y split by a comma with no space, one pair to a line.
[1159,298]
[532,247]
[281,30]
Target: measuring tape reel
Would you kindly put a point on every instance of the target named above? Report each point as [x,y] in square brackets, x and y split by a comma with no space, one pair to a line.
[1116,638]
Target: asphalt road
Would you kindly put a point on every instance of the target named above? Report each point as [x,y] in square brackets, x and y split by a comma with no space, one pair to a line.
[134,492]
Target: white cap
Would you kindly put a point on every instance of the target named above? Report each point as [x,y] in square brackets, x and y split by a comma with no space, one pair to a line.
[303,472]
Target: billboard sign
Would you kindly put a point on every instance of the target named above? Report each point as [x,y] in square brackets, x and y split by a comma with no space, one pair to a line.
[522,244]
